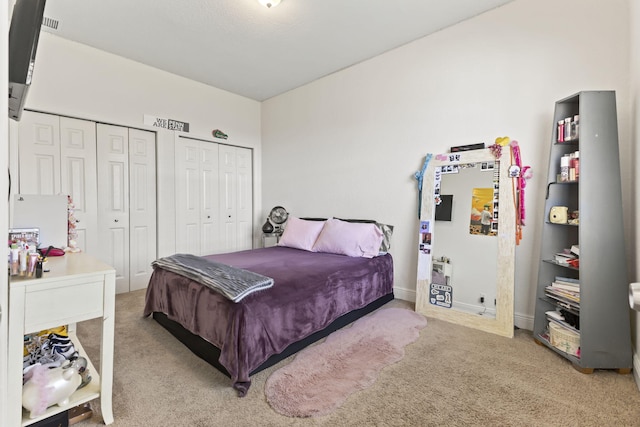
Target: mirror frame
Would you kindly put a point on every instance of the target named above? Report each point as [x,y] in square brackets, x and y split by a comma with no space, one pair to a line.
[503,323]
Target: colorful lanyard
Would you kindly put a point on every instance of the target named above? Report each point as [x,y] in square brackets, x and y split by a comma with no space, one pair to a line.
[419,176]
[521,174]
[521,181]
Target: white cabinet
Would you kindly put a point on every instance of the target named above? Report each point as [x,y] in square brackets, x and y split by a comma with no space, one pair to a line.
[77,288]
[57,155]
[127,203]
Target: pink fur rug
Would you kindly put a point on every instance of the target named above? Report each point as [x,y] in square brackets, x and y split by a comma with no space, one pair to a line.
[323,376]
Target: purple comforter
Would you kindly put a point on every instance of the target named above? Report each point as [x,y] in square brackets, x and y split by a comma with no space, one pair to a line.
[310,291]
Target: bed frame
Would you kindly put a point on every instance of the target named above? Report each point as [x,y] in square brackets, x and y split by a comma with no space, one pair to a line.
[210,353]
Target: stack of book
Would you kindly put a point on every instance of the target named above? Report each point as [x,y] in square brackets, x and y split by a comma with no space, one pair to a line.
[566,290]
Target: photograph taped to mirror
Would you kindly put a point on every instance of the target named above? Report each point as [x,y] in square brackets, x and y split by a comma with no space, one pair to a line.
[30,236]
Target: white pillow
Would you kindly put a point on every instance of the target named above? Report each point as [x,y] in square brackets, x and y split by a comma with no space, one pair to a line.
[300,234]
[349,238]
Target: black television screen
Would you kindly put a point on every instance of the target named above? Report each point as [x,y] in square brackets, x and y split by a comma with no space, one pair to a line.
[24,33]
[443,210]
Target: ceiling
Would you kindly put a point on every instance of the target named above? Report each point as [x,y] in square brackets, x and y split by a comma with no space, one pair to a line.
[243,47]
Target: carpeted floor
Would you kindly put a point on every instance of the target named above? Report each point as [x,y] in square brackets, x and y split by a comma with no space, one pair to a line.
[321,377]
[451,376]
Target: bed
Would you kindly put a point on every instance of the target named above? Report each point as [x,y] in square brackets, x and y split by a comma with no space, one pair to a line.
[313,294]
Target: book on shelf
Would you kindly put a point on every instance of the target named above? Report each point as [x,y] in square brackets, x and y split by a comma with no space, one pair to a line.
[570,280]
[554,315]
[563,301]
[566,283]
[565,287]
[575,249]
[564,258]
[572,296]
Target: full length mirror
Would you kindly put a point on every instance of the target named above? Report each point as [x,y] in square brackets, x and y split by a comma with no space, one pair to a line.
[467,241]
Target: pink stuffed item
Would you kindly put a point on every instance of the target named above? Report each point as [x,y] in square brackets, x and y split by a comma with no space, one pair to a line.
[349,238]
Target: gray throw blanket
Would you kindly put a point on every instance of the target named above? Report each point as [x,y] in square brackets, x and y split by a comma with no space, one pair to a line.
[234,283]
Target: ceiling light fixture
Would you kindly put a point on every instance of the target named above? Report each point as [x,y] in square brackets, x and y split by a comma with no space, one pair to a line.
[269,3]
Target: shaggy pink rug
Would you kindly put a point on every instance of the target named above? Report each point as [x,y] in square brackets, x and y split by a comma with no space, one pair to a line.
[323,376]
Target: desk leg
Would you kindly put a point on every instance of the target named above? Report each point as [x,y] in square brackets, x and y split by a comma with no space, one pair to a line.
[107,349]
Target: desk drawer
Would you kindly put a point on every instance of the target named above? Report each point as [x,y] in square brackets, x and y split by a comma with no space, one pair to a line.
[61,304]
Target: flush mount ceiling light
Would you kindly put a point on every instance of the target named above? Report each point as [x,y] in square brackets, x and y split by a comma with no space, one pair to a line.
[269,3]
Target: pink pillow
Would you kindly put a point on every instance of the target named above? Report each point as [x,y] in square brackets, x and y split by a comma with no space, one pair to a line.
[300,234]
[349,238]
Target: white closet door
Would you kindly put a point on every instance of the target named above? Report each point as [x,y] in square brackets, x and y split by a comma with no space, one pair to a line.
[142,206]
[188,196]
[57,155]
[228,184]
[39,153]
[236,198]
[209,215]
[244,199]
[78,178]
[113,203]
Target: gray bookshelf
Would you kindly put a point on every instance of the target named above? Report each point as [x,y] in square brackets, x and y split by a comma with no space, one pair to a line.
[603,312]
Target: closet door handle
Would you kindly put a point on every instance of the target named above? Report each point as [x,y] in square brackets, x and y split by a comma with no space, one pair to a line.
[115,220]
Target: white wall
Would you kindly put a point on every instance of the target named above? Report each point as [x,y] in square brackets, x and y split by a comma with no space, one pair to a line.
[348,144]
[76,80]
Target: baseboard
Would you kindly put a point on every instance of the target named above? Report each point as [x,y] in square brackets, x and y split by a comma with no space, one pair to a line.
[636,368]
[521,321]
[404,294]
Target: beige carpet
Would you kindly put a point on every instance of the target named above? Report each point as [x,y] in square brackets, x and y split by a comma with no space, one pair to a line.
[451,376]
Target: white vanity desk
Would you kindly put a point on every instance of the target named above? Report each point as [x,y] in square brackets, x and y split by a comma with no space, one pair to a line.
[78,287]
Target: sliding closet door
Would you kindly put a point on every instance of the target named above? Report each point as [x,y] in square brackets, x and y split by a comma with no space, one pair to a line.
[188,196]
[78,178]
[197,224]
[142,207]
[57,155]
[209,221]
[113,203]
[228,198]
[39,153]
[236,198]
[244,199]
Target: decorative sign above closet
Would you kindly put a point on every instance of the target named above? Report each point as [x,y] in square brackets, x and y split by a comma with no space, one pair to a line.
[170,124]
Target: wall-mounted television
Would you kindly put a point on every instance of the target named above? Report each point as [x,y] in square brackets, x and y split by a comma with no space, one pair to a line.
[24,33]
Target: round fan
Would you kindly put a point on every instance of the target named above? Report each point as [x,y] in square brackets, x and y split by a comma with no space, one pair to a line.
[278,216]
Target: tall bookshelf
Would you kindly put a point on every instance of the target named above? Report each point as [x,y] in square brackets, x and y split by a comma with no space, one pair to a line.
[603,332]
